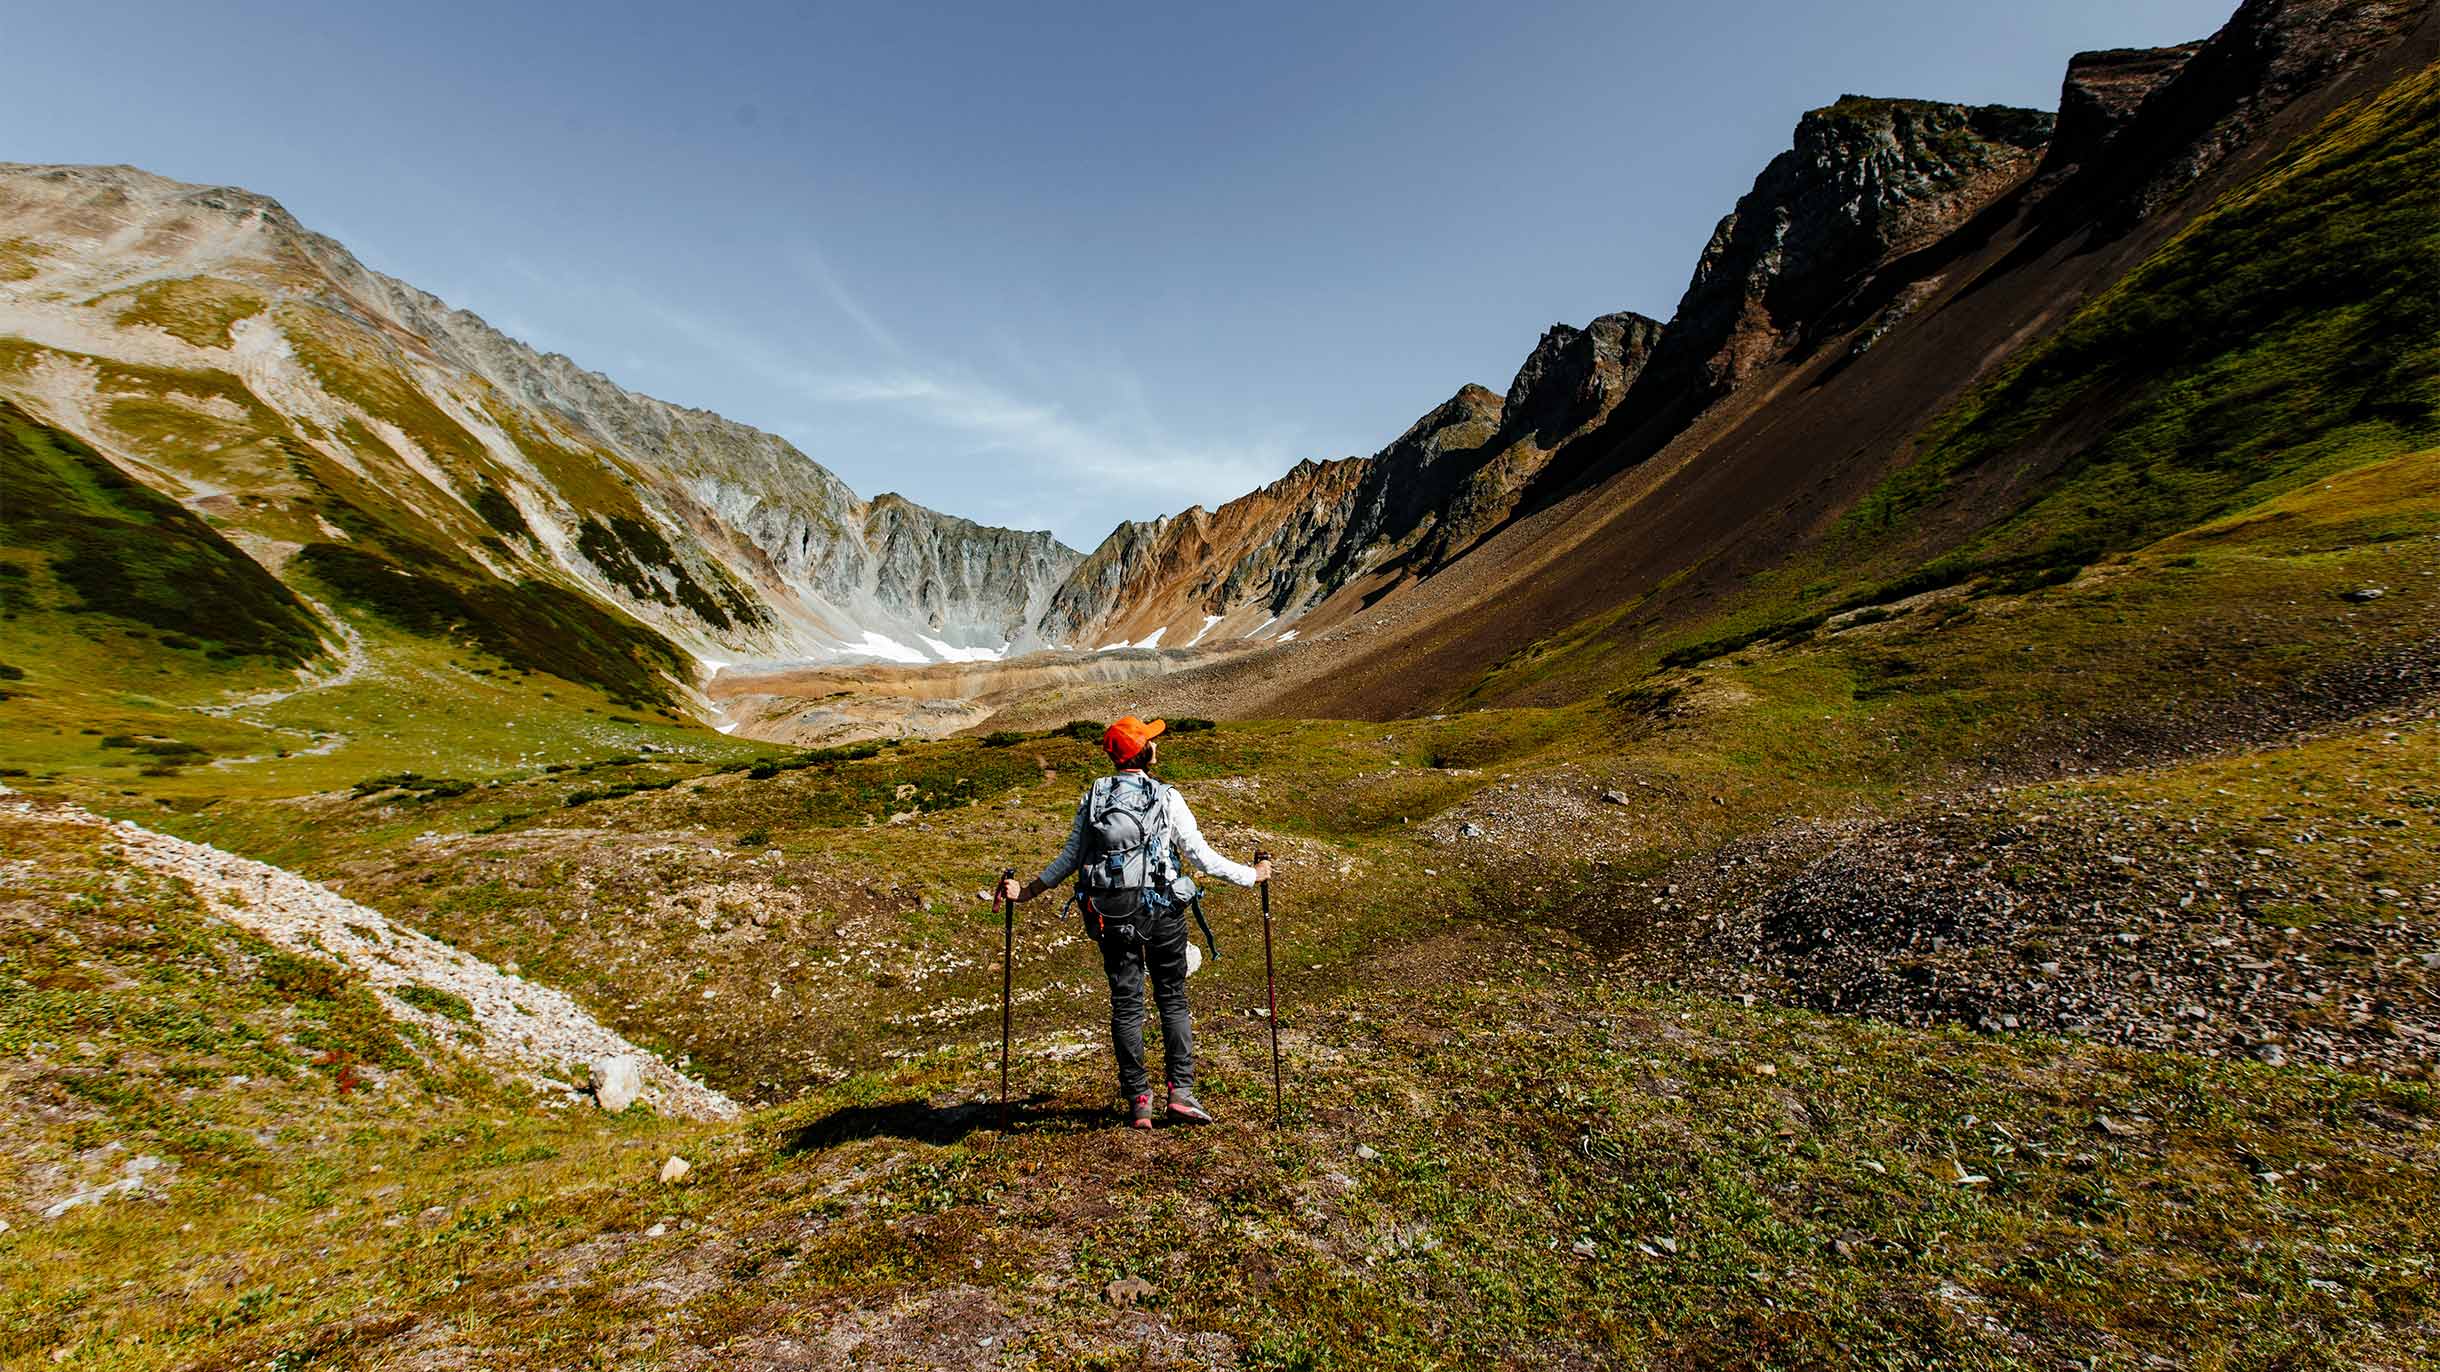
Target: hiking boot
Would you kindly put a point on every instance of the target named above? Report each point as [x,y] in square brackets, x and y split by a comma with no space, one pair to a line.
[1141,1117]
[1185,1109]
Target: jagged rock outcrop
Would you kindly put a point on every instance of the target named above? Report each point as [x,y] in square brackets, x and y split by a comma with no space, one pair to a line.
[258,371]
[2267,55]
[1256,563]
[1574,376]
[1864,183]
[1866,180]
[2101,96]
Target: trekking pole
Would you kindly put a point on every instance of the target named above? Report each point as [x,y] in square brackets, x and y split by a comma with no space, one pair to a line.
[1270,981]
[1008,958]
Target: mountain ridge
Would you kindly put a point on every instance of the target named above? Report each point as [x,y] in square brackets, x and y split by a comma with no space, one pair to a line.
[726,504]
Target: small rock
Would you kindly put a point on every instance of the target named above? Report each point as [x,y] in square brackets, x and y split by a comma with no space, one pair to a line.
[1469,830]
[2363,595]
[1613,797]
[616,1080]
[675,1170]
[1366,1152]
[2272,1055]
[656,1231]
[1127,1291]
[1584,1248]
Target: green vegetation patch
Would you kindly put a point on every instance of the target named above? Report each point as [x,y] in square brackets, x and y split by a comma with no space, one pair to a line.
[500,512]
[433,1000]
[2292,330]
[634,555]
[197,309]
[130,552]
[534,625]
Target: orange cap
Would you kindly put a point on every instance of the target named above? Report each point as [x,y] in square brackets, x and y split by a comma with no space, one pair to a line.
[1127,738]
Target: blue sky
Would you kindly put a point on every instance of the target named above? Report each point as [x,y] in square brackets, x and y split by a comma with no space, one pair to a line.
[1045,266]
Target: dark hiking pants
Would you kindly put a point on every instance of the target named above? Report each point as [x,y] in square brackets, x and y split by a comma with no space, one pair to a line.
[1127,959]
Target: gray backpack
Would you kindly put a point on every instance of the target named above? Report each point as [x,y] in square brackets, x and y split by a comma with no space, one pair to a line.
[1125,879]
[1126,847]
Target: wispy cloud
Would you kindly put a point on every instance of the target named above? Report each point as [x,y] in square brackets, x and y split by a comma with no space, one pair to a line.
[1103,453]
[815,267]
[1124,460]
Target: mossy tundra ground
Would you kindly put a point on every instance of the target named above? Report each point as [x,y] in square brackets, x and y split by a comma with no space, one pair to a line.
[1546,1105]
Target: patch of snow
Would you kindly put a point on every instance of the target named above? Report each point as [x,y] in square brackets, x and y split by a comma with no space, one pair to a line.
[949,652]
[1208,622]
[726,726]
[1113,647]
[1287,636]
[1256,631]
[881,645]
[1153,639]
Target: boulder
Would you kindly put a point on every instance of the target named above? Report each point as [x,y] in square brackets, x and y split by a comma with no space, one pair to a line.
[617,1081]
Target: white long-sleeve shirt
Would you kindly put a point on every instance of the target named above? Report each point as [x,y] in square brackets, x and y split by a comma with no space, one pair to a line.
[1182,828]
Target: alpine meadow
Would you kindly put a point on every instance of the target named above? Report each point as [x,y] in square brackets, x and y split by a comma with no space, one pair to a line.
[1888,819]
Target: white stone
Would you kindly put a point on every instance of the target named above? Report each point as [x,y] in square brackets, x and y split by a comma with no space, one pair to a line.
[617,1081]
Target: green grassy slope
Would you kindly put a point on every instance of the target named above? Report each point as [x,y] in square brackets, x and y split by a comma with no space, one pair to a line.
[2289,334]
[84,537]
[139,643]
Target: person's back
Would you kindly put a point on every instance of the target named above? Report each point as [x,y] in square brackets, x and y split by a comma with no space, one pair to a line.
[1124,848]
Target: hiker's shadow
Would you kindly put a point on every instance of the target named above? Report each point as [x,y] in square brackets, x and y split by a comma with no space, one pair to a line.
[921,1121]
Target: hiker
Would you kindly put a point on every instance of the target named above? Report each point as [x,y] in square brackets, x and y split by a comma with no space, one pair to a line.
[1123,849]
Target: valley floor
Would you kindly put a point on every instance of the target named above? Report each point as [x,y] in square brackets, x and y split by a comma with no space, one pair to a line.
[2006,976]
[1603,1126]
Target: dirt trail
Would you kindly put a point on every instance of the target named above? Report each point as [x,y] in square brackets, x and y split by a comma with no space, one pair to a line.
[352,661]
[533,1030]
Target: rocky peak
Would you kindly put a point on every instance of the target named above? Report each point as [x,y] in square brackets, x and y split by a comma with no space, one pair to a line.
[1576,376]
[1865,179]
[2101,95]
[2267,55]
